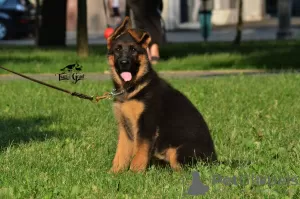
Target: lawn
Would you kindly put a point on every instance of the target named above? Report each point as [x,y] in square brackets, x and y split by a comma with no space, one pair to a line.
[56,146]
[181,56]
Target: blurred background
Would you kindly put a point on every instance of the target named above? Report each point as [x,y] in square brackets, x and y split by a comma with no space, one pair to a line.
[22,21]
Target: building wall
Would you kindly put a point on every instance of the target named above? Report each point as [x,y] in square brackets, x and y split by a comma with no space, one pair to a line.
[171,13]
[254,10]
[95,15]
[225,12]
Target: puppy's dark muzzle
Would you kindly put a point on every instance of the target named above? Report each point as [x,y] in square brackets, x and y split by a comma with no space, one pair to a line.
[124,64]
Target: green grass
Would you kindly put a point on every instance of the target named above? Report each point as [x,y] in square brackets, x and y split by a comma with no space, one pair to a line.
[56,146]
[183,56]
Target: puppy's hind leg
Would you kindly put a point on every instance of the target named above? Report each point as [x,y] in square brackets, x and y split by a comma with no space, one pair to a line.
[172,158]
[190,153]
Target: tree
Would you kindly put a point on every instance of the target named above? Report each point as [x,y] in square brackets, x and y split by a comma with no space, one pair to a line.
[239,26]
[82,34]
[37,21]
[52,31]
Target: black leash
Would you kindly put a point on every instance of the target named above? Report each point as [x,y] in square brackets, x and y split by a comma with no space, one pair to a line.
[106,95]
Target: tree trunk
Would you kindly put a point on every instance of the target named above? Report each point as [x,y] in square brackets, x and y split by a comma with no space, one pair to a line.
[37,21]
[239,26]
[82,33]
[52,31]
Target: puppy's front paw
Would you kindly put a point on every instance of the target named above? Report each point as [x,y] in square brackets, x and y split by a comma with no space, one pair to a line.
[138,164]
[116,169]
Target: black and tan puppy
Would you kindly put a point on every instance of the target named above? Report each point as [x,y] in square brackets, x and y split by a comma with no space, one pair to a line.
[154,119]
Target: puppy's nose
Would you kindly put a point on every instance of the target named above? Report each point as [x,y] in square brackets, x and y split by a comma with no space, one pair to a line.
[124,64]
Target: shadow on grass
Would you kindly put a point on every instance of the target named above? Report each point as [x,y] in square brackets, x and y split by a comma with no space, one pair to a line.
[260,55]
[14,131]
[250,54]
[254,54]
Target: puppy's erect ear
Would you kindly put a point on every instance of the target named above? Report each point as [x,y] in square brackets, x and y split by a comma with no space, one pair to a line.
[126,24]
[141,37]
[145,40]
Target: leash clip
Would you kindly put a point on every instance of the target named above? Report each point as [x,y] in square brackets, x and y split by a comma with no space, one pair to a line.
[115,93]
[108,95]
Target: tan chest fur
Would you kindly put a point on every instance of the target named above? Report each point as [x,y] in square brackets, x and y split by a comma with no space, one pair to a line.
[132,111]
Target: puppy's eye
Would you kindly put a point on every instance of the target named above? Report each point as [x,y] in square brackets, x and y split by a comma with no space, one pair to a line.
[118,48]
[133,49]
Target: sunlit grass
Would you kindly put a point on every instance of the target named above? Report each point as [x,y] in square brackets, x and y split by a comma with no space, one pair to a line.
[57,146]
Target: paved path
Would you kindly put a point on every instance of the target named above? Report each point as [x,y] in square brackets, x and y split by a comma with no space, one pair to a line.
[165,74]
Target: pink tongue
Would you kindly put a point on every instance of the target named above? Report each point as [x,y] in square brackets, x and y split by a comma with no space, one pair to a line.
[126,76]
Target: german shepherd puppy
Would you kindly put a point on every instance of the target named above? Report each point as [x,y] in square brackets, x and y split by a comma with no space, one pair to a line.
[154,119]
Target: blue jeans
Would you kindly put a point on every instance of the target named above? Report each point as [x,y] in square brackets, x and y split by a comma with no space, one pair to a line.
[205,23]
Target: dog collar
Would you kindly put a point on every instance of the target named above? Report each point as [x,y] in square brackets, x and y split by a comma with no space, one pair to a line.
[109,95]
[115,92]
